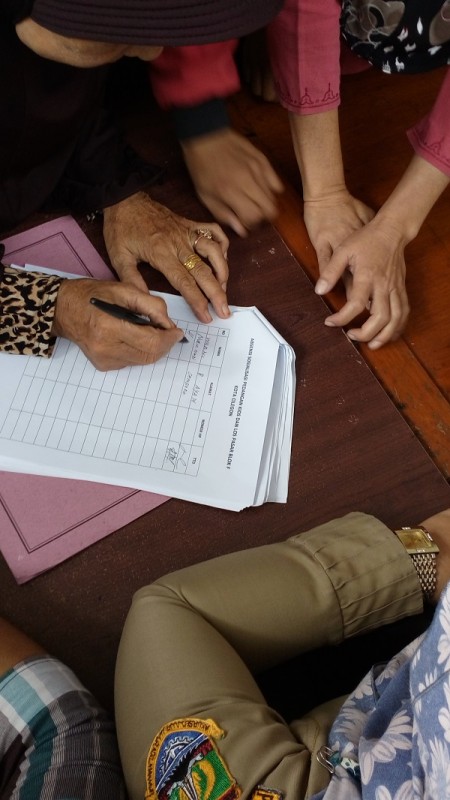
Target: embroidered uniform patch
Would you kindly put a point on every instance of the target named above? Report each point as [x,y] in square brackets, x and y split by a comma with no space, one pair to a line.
[262,793]
[184,764]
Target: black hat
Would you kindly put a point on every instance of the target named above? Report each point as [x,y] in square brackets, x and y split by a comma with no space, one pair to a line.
[154,22]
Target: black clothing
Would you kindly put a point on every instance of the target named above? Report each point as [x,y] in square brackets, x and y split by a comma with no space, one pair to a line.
[56,138]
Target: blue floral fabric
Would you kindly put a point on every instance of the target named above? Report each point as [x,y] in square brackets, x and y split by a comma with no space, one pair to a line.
[396,724]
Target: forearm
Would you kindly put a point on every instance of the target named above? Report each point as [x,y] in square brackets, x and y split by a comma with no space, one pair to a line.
[317,148]
[335,581]
[430,137]
[407,207]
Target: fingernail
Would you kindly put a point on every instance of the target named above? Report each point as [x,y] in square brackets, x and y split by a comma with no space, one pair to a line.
[225,310]
[224,286]
[351,336]
[330,323]
[375,344]
[321,286]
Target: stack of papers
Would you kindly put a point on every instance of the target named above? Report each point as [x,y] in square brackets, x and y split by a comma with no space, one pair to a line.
[210,423]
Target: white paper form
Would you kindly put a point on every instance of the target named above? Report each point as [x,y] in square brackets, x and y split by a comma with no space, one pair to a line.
[276,456]
[193,425]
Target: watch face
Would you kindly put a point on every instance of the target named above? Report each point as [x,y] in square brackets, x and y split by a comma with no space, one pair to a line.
[415,540]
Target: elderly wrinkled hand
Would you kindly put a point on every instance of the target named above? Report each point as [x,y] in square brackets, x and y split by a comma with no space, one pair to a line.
[111,343]
[191,255]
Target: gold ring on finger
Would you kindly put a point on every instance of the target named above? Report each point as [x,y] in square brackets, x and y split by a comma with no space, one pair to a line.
[191,261]
[202,233]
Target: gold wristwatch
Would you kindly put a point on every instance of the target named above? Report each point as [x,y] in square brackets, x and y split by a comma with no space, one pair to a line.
[419,544]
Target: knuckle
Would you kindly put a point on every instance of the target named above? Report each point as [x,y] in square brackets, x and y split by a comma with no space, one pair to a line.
[183,281]
[383,318]
[202,271]
[357,306]
[158,305]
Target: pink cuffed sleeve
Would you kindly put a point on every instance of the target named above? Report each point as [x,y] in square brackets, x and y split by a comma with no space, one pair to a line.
[430,137]
[188,76]
[304,45]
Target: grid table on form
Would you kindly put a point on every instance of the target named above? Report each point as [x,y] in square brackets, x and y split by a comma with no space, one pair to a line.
[155,416]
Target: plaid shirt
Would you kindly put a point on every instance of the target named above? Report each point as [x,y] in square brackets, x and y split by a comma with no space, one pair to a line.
[55,741]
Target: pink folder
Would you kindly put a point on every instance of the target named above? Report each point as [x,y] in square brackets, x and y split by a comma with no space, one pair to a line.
[43,520]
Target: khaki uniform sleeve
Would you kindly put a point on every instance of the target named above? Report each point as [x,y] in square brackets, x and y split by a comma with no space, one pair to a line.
[193,638]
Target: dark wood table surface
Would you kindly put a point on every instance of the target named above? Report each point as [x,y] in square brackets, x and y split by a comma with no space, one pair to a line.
[351,450]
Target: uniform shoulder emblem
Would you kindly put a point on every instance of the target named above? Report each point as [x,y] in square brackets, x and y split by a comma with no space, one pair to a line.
[183,763]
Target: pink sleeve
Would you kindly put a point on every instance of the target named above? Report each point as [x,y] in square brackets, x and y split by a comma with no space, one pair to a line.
[188,76]
[304,44]
[430,137]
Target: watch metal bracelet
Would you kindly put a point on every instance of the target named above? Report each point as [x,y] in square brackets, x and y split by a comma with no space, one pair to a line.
[425,565]
[420,546]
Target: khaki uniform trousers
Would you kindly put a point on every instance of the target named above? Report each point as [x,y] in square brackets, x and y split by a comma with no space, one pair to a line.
[193,638]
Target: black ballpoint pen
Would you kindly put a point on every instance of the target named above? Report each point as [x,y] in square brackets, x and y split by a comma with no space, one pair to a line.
[124,313]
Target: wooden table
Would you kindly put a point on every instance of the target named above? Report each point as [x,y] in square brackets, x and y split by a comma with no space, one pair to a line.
[351,450]
[375,113]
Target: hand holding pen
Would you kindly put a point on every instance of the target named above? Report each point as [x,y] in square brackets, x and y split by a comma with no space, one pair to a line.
[124,313]
[102,334]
